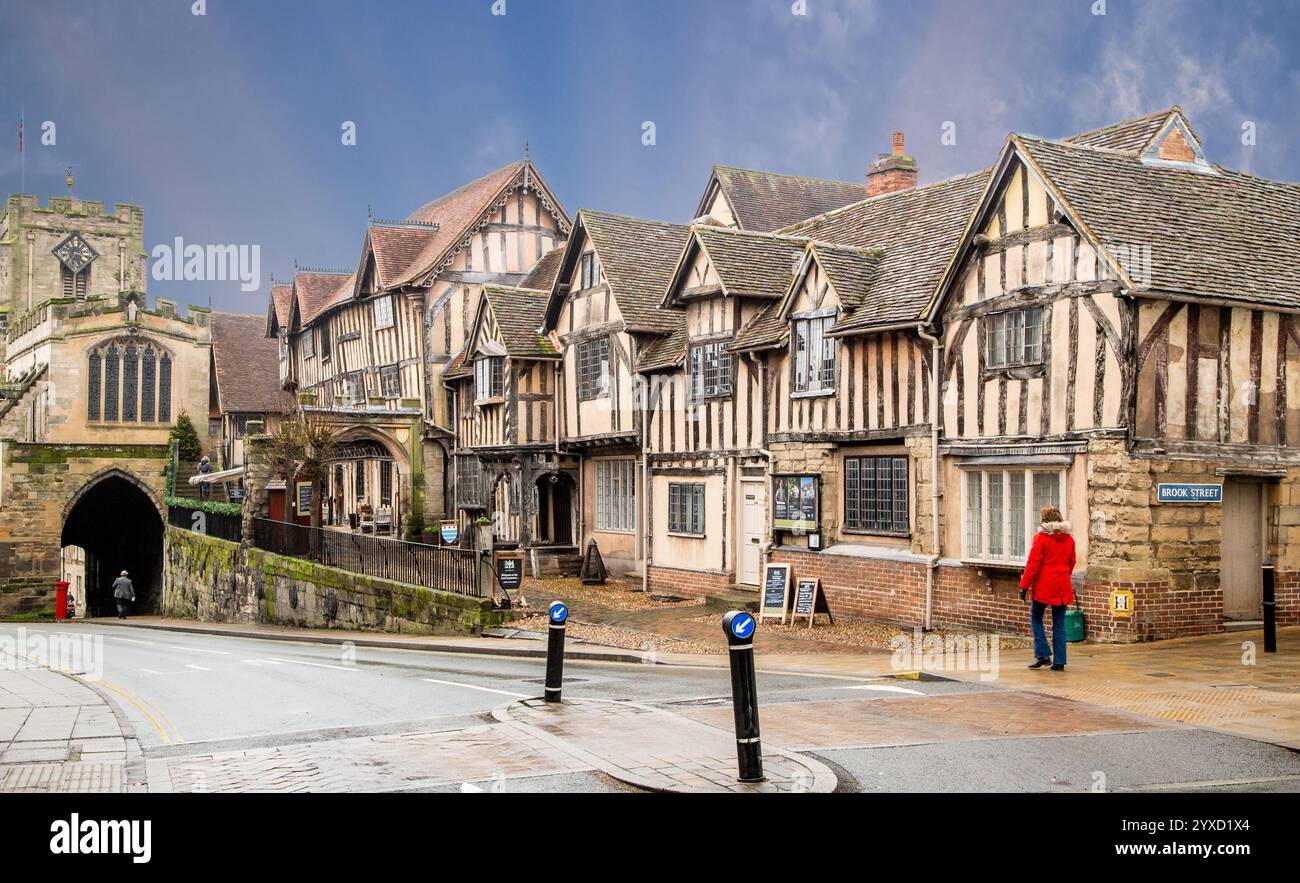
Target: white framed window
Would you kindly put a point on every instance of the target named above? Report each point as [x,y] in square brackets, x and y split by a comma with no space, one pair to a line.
[490,378]
[813,354]
[710,370]
[383,308]
[686,509]
[1000,510]
[1014,338]
[616,495]
[593,368]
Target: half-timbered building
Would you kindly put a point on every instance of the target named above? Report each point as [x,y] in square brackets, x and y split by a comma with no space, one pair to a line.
[603,316]
[368,349]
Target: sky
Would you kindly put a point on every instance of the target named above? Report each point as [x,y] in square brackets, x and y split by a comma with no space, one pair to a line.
[228,127]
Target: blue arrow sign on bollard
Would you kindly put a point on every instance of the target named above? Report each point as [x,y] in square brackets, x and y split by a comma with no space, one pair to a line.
[742,625]
[559,611]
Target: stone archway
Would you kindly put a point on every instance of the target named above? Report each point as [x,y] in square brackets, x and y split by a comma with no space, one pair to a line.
[116,520]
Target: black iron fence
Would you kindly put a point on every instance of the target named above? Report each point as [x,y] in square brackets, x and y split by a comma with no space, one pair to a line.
[223,527]
[447,568]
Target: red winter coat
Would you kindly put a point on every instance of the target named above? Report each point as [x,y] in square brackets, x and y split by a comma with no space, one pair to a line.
[1050,564]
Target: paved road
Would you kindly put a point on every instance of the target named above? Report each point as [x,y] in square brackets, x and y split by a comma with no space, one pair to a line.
[215,712]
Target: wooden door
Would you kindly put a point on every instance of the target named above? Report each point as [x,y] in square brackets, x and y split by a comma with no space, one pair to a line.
[754,515]
[1242,550]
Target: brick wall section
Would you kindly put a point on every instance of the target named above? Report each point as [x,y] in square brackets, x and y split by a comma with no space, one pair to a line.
[676,580]
[893,591]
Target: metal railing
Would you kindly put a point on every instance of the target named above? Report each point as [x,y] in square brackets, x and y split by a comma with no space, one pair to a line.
[446,568]
[223,527]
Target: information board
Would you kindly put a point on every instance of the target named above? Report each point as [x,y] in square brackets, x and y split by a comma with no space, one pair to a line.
[776,591]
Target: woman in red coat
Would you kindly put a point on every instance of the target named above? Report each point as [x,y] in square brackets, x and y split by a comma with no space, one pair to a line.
[1047,573]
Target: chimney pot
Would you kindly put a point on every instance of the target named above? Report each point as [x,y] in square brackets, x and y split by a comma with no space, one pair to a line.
[898,144]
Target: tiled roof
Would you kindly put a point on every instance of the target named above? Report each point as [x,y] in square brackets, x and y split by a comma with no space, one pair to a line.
[764,330]
[317,292]
[852,271]
[247,366]
[1130,135]
[542,275]
[917,229]
[663,352]
[1215,232]
[767,201]
[520,312]
[638,257]
[456,212]
[457,367]
[395,248]
[281,306]
[750,264]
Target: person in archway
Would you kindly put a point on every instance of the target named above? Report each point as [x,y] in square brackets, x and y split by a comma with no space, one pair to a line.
[123,593]
[1048,575]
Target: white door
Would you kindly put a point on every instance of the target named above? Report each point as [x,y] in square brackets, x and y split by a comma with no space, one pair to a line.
[754,517]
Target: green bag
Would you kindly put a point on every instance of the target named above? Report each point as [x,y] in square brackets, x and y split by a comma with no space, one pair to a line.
[1074,630]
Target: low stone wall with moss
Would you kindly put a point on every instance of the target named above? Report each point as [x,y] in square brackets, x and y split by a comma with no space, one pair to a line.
[216,581]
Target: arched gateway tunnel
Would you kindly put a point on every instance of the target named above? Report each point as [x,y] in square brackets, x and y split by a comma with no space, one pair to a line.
[115,520]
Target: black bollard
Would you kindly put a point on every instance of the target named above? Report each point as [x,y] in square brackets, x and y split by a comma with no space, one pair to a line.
[558,613]
[739,628]
[1270,609]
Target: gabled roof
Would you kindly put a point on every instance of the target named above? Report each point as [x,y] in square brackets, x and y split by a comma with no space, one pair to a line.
[748,264]
[316,292]
[279,312]
[916,229]
[457,367]
[766,329]
[395,248]
[542,275]
[519,315]
[637,257]
[767,201]
[1210,232]
[246,366]
[458,212]
[1134,135]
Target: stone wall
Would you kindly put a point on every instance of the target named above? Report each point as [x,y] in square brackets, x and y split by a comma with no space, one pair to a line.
[212,580]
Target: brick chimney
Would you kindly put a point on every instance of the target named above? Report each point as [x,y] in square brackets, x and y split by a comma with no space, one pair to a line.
[892,172]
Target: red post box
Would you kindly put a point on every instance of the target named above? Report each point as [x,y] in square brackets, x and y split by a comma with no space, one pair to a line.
[61,600]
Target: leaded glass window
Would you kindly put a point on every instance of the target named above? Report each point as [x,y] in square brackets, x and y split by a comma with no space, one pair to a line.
[148,385]
[112,363]
[94,387]
[165,389]
[130,383]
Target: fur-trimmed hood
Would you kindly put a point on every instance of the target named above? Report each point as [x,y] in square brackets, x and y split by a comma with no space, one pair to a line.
[1055,527]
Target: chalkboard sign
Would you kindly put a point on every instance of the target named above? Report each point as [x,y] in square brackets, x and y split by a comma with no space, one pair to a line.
[776,591]
[510,572]
[304,498]
[809,600]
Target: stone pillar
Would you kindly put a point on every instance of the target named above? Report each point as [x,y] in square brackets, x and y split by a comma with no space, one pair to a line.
[256,499]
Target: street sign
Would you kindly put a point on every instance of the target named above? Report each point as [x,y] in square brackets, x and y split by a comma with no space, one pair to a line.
[742,625]
[559,612]
[776,591]
[1121,603]
[449,532]
[1189,493]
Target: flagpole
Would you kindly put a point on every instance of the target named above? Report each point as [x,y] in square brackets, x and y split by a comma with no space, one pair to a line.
[22,150]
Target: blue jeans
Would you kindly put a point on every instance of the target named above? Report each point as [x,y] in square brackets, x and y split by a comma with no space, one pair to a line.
[1057,652]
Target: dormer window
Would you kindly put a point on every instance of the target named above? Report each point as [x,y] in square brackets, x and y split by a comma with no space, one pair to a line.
[813,354]
[490,378]
[1015,338]
[383,307]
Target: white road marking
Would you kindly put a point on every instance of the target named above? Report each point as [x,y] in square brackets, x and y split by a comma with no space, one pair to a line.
[197,667]
[150,671]
[883,688]
[473,687]
[315,664]
[131,641]
[199,650]
[262,662]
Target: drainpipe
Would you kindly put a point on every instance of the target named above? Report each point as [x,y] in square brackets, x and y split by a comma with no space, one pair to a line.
[932,563]
[765,548]
[643,517]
